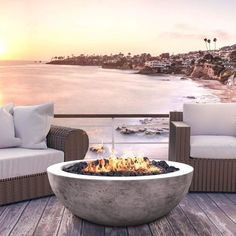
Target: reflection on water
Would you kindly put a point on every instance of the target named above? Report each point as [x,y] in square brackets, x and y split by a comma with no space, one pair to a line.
[76,89]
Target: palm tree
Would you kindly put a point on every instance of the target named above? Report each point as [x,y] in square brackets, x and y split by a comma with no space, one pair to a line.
[205,40]
[209,42]
[214,40]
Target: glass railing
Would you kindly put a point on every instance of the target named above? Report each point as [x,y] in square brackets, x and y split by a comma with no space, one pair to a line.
[141,134]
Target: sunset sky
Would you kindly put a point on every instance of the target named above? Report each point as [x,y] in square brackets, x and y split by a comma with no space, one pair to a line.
[40,29]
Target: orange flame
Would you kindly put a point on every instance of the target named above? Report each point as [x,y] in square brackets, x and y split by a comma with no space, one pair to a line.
[131,164]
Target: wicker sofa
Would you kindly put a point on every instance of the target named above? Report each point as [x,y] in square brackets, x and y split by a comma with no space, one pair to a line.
[73,142]
[210,174]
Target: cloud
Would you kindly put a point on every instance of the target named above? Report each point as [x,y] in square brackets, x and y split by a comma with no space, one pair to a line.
[189,34]
[222,35]
[186,27]
[183,31]
[179,35]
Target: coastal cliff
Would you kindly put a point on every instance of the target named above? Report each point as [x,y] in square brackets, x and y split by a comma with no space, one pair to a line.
[212,72]
[207,71]
[212,68]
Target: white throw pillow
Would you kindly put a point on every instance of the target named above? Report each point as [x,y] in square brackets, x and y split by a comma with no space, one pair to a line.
[7,130]
[32,124]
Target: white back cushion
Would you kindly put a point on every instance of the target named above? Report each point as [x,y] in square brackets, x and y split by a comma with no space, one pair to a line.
[7,130]
[32,124]
[211,119]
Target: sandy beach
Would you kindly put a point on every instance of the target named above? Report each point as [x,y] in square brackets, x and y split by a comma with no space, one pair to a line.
[218,89]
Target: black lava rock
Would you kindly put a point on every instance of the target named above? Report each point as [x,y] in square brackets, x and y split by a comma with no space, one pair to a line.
[78,168]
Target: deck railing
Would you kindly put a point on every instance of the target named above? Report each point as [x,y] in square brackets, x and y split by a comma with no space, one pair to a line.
[113,117]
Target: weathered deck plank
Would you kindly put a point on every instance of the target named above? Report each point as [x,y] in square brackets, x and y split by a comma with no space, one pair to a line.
[90,229]
[225,204]
[51,218]
[198,218]
[198,214]
[180,223]
[30,217]
[70,225]
[216,215]
[161,227]
[116,231]
[10,217]
[2,209]
[231,196]
[140,230]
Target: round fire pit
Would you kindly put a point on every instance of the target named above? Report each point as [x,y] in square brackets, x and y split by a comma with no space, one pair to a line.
[120,201]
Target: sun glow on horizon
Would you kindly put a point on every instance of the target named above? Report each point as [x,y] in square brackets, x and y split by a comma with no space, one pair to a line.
[3,48]
[1,99]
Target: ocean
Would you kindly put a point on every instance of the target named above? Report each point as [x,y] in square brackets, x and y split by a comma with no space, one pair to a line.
[91,89]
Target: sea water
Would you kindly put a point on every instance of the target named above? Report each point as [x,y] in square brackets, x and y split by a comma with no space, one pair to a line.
[93,90]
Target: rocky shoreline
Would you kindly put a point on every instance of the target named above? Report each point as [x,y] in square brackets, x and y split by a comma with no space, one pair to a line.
[148,126]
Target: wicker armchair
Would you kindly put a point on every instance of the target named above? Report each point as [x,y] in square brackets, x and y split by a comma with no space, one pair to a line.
[210,175]
[74,144]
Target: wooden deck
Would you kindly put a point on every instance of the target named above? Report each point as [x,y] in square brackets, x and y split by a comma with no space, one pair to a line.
[198,214]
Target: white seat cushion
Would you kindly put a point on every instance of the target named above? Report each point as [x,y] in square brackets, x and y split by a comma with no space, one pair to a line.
[211,119]
[19,161]
[213,147]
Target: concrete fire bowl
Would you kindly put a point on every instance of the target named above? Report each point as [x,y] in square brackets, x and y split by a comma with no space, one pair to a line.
[120,201]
